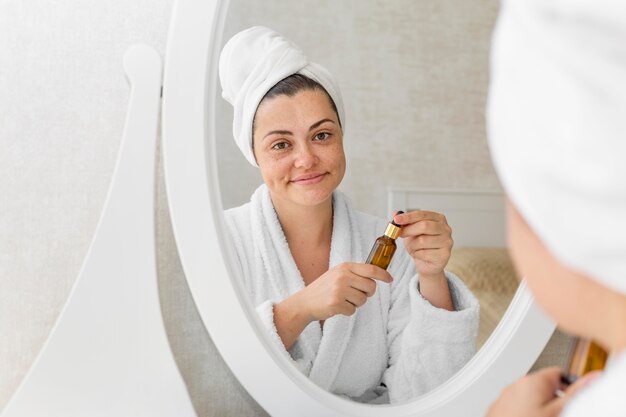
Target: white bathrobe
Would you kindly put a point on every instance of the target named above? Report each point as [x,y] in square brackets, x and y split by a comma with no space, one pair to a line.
[396,338]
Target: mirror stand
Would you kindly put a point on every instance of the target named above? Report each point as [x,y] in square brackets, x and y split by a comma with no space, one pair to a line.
[108,353]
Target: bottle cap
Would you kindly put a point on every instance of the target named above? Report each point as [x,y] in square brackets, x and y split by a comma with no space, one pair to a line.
[392,231]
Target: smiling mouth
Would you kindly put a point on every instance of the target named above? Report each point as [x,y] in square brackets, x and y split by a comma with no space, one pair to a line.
[310,180]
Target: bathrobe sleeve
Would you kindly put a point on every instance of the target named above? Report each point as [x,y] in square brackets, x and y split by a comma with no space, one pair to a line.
[297,353]
[263,299]
[427,345]
[264,306]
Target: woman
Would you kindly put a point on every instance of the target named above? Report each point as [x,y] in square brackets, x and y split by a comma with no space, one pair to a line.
[354,329]
[557,120]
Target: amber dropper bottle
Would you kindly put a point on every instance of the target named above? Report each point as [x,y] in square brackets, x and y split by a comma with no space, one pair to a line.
[385,246]
[584,356]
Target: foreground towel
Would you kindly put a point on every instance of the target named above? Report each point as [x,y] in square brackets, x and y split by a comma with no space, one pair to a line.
[557,127]
[396,337]
[251,63]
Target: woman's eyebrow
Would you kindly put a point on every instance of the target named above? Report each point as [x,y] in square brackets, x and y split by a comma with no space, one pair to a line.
[288,132]
[316,124]
[278,132]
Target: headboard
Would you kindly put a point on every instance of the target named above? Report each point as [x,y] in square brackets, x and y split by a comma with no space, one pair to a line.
[476,216]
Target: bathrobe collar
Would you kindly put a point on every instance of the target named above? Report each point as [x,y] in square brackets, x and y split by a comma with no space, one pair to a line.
[327,347]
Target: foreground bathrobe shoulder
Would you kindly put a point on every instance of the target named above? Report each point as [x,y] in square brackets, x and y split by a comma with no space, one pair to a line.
[396,338]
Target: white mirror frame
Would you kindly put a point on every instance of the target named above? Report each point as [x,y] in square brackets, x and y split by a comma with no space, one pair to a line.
[189,109]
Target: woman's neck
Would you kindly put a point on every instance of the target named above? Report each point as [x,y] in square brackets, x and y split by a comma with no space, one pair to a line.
[308,225]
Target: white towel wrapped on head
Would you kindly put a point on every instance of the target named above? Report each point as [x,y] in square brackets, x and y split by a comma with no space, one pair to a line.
[251,63]
[557,127]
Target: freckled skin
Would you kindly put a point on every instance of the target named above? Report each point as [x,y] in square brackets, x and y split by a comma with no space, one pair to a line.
[299,150]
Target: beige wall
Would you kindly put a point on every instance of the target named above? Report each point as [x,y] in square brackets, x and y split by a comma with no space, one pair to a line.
[413,73]
[414,77]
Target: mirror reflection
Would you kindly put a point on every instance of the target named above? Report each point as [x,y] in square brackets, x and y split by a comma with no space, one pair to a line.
[335,121]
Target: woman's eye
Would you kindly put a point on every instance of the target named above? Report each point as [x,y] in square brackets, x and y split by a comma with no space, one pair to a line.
[322,136]
[280,146]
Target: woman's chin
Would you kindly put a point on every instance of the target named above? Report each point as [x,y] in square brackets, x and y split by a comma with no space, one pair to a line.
[311,196]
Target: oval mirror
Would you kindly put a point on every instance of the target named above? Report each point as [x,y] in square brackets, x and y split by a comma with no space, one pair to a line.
[431,106]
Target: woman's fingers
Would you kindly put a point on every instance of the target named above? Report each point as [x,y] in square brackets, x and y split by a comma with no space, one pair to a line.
[544,383]
[562,395]
[530,396]
[354,284]
[422,222]
[427,238]
[356,297]
[416,216]
[343,288]
[424,227]
[363,284]
[369,271]
[347,308]
[581,383]
[415,243]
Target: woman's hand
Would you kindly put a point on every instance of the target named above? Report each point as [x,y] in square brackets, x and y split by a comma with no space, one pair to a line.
[427,239]
[534,395]
[341,290]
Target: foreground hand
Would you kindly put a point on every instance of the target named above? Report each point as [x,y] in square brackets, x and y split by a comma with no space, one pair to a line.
[340,290]
[534,395]
[427,239]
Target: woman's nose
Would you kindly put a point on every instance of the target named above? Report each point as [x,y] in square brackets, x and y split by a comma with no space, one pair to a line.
[305,157]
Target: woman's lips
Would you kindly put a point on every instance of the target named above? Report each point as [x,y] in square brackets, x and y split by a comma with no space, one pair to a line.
[309,179]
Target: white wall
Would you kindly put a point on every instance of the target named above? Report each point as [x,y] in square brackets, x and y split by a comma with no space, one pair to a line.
[62,106]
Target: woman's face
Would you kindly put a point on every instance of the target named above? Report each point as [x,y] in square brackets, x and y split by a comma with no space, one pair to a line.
[298,145]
